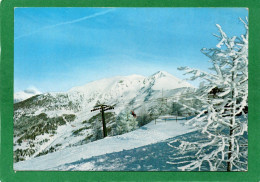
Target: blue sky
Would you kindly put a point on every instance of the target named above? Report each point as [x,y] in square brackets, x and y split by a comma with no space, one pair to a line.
[59,48]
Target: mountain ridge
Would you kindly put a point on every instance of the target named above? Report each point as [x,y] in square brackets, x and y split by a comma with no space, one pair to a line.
[23,95]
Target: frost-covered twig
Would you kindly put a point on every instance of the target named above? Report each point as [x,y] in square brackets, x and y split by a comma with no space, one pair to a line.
[222,98]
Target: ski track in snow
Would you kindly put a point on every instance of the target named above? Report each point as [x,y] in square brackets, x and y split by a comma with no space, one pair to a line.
[148,134]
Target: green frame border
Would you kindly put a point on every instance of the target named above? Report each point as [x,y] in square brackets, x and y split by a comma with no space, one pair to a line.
[7,174]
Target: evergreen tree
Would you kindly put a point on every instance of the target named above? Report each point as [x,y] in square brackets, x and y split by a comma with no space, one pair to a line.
[97,130]
[125,122]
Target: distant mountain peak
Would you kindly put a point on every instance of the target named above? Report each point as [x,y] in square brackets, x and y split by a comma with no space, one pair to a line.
[27,93]
[161,73]
[165,80]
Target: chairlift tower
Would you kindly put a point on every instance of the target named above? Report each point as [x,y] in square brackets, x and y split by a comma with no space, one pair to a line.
[102,108]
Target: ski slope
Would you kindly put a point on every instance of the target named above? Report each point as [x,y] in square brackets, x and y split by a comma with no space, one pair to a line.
[148,134]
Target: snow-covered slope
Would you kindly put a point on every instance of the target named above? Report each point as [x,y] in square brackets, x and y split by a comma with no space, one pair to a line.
[148,134]
[23,95]
[124,89]
[51,122]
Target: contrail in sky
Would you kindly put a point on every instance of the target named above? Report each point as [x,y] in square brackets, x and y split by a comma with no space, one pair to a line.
[65,23]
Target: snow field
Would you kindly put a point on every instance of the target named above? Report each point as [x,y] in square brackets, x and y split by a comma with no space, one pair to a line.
[148,134]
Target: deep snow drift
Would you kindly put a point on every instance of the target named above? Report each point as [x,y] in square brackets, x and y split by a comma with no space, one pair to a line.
[148,134]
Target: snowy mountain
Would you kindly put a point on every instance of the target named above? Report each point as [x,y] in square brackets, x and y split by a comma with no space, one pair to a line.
[52,122]
[119,84]
[23,95]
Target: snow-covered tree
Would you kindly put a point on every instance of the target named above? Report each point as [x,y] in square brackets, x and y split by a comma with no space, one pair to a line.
[97,130]
[145,115]
[164,107]
[125,122]
[153,113]
[224,98]
[184,104]
[176,108]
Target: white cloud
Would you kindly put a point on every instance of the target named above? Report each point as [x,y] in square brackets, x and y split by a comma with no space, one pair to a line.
[32,90]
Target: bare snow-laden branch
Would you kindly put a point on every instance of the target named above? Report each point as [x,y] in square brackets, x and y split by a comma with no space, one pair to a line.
[223,99]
